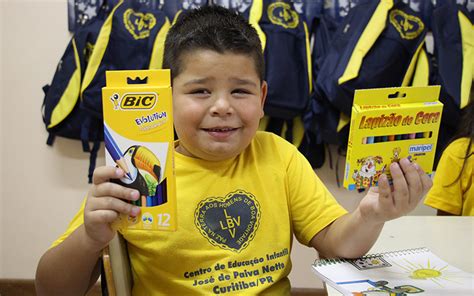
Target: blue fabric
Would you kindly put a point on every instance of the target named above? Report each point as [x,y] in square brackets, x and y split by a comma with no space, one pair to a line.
[339,9]
[448,52]
[85,37]
[448,67]
[286,65]
[424,8]
[385,65]
[123,52]
[172,7]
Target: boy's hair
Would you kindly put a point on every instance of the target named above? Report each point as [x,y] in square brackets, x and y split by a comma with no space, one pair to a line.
[215,28]
[466,130]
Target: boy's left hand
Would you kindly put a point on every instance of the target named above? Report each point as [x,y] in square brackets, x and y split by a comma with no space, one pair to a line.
[382,203]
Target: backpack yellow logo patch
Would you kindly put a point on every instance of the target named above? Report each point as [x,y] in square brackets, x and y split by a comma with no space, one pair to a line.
[138,24]
[409,26]
[281,14]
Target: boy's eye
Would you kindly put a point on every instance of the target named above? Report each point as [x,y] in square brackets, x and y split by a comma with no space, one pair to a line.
[200,92]
[241,92]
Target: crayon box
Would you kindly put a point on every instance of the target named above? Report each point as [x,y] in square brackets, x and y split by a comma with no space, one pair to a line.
[388,124]
[139,138]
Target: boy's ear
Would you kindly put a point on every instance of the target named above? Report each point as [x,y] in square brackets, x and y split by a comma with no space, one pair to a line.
[263,92]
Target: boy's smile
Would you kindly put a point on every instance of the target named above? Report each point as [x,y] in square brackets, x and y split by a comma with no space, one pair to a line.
[218,102]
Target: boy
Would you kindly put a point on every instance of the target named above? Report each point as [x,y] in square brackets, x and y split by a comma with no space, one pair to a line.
[453,190]
[242,194]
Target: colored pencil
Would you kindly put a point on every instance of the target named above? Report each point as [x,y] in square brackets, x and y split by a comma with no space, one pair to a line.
[115,152]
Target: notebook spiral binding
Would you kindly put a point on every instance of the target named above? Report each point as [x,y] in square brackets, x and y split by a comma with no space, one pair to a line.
[330,261]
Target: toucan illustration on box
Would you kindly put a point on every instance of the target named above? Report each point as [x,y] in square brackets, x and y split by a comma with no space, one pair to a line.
[145,176]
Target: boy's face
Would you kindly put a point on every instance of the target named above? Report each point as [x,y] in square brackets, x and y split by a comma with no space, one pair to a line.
[217,104]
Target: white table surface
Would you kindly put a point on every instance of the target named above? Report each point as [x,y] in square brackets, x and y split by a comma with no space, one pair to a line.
[451,238]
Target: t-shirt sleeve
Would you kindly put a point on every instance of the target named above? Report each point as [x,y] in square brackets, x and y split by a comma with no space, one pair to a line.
[312,206]
[77,221]
[446,193]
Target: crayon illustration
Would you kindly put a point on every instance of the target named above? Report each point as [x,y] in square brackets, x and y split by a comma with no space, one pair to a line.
[115,100]
[367,175]
[146,174]
[396,154]
[115,152]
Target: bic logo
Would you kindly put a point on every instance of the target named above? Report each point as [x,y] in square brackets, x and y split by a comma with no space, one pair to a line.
[231,223]
[138,101]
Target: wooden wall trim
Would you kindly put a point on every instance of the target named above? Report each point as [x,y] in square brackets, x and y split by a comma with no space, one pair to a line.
[26,287]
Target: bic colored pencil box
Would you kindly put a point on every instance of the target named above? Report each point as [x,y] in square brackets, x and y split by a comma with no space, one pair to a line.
[388,124]
[139,138]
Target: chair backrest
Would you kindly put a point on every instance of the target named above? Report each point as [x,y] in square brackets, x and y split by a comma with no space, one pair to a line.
[116,264]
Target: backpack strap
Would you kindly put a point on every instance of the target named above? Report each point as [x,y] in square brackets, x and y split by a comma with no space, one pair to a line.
[156,59]
[99,50]
[91,130]
[467,36]
[254,16]
[51,137]
[69,97]
[422,73]
[374,28]
[93,159]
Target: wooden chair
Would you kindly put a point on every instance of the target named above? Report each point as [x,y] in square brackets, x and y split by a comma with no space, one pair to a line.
[116,268]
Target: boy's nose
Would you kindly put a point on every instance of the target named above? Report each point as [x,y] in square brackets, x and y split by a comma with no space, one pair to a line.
[221,106]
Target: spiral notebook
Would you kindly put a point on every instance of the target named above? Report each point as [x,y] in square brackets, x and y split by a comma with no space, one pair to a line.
[399,273]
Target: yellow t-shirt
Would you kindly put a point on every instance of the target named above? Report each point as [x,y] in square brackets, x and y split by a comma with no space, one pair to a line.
[236,221]
[456,198]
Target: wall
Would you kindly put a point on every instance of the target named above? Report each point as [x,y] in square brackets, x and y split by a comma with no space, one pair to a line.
[42,186]
[2,96]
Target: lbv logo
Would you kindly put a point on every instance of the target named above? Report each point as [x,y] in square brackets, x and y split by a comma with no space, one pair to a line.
[230,223]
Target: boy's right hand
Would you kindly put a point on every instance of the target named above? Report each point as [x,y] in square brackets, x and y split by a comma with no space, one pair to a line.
[105,202]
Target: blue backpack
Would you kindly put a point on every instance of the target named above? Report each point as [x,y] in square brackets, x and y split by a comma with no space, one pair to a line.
[378,44]
[286,50]
[288,69]
[287,60]
[173,8]
[61,111]
[130,37]
[453,36]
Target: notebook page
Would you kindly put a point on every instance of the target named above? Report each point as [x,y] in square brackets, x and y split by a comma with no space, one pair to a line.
[412,271]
